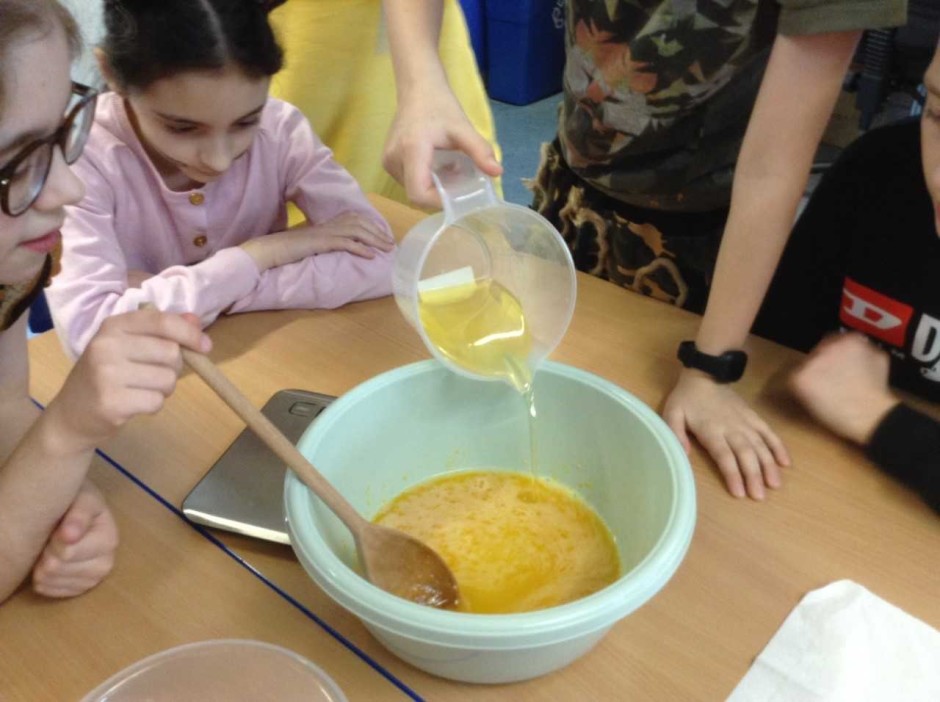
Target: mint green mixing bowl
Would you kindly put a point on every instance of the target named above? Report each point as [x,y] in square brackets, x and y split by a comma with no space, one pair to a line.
[419,421]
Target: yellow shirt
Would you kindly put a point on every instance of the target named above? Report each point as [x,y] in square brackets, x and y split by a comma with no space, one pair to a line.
[338,71]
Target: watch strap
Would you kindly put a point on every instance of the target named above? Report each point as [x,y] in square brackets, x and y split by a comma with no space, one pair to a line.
[724,368]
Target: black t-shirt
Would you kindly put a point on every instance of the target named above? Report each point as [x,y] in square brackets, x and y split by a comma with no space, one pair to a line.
[906,445]
[865,255]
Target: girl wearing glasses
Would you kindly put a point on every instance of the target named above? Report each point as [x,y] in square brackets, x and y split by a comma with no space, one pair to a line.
[189,169]
[53,522]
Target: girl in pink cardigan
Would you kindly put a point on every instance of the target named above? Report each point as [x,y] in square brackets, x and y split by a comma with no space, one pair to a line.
[188,170]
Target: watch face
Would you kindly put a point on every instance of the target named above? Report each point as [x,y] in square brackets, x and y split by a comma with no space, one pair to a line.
[735,363]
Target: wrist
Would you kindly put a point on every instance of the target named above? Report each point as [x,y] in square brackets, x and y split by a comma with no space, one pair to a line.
[715,345]
[419,83]
[870,417]
[59,436]
[257,252]
[695,375]
[715,339]
[725,367]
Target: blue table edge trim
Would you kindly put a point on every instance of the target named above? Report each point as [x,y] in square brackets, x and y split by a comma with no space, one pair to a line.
[212,538]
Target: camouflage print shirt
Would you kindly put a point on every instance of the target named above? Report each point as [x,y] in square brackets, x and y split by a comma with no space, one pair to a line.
[658,92]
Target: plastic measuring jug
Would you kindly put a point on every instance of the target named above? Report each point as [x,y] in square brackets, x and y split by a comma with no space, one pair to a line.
[490,286]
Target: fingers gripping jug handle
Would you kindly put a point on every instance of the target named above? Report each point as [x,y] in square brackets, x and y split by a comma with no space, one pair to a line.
[463,189]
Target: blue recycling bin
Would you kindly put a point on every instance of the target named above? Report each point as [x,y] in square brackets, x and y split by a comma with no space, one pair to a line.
[525,49]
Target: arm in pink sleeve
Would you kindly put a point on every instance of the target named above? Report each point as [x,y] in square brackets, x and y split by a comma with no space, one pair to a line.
[92,284]
[323,190]
[326,281]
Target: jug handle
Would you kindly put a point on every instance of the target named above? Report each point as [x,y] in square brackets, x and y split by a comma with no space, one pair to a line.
[462,187]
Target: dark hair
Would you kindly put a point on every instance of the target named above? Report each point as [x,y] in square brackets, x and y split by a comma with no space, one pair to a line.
[146,40]
[22,17]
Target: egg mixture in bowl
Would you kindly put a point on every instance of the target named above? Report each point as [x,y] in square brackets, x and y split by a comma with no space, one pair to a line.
[514,542]
[598,445]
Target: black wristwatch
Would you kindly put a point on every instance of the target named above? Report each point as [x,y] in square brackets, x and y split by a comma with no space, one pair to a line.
[725,368]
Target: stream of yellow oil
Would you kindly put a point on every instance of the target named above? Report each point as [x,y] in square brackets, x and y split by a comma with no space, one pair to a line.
[514,543]
[480,326]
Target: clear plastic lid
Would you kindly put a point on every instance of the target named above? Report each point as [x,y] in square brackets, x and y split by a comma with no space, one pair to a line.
[233,670]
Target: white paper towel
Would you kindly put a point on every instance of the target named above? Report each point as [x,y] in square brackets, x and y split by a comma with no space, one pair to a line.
[844,644]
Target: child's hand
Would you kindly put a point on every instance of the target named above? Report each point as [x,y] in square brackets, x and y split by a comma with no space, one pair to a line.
[843,383]
[349,232]
[434,120]
[129,368]
[748,453]
[80,552]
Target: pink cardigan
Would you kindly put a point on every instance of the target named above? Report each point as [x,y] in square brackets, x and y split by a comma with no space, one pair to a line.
[129,220]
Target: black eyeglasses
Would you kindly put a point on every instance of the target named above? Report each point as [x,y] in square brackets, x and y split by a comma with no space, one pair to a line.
[23,178]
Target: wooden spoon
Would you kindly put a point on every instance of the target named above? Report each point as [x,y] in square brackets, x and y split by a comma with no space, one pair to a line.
[391,559]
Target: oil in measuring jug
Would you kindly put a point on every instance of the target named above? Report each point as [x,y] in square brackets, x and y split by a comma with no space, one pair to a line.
[480,326]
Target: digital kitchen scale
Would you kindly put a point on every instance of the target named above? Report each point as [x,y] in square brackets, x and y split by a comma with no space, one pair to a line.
[244,491]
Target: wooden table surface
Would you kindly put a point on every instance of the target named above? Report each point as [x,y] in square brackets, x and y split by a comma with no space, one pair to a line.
[748,565]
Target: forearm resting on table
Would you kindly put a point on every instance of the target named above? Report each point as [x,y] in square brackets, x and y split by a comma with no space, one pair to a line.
[797,95]
[38,482]
[17,415]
